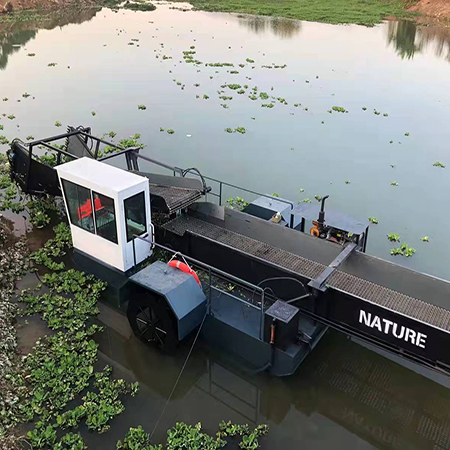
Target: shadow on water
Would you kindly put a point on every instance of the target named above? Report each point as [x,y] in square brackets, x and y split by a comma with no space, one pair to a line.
[408,39]
[280,27]
[15,34]
[369,397]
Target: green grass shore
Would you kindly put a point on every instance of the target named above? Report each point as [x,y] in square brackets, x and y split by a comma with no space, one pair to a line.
[361,12]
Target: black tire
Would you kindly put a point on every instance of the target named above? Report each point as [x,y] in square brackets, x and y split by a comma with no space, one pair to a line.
[152,321]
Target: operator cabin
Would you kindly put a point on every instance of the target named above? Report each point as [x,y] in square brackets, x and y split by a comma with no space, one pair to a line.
[107,207]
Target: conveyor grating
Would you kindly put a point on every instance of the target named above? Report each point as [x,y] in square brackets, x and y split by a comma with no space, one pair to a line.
[176,198]
[355,286]
[394,300]
[266,252]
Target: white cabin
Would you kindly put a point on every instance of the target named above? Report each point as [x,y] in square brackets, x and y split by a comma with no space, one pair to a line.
[121,211]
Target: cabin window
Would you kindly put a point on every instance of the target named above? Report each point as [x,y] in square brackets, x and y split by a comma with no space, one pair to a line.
[105,217]
[79,204]
[135,217]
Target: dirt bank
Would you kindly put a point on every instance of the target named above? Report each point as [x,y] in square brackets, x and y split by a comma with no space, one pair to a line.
[437,9]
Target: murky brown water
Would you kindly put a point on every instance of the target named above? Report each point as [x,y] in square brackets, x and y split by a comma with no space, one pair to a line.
[343,396]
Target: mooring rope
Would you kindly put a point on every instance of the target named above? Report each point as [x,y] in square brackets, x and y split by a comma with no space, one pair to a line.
[179,376]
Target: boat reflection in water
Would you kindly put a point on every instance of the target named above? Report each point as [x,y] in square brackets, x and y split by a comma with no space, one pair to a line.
[342,395]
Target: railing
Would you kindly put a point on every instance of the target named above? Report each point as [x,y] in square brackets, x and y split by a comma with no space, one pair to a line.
[132,154]
[221,184]
[94,153]
[216,273]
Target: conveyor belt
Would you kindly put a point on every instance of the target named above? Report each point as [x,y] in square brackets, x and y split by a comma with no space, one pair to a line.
[176,198]
[287,260]
[355,286]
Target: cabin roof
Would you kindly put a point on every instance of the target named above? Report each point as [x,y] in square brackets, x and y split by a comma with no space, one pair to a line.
[96,173]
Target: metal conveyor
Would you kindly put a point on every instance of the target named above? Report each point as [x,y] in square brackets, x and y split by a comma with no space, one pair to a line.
[347,294]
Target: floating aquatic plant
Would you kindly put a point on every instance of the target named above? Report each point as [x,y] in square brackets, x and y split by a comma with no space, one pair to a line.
[425,239]
[52,64]
[161,129]
[11,117]
[229,130]
[439,164]
[394,183]
[406,134]
[264,95]
[393,237]
[373,220]
[267,105]
[318,197]
[347,181]
[30,138]
[205,97]
[220,64]
[240,130]
[250,61]
[58,124]
[338,109]
[26,95]
[170,131]
[142,107]
[31,54]
[403,250]
[5,99]
[364,108]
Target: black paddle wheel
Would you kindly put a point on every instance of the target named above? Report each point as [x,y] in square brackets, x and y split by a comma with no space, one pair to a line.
[152,321]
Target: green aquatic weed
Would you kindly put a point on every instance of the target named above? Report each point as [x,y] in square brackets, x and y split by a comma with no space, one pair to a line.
[393,237]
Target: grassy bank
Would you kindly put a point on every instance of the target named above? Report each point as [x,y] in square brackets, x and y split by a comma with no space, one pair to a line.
[362,12]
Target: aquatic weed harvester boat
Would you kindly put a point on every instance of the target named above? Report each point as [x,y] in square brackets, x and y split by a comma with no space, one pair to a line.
[263,283]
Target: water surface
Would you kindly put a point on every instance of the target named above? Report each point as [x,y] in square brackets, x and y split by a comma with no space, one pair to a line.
[395,68]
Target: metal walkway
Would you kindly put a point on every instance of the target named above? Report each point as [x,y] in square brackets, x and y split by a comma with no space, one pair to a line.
[353,285]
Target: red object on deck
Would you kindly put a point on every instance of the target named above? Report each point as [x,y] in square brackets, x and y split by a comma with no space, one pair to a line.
[86,209]
[184,268]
